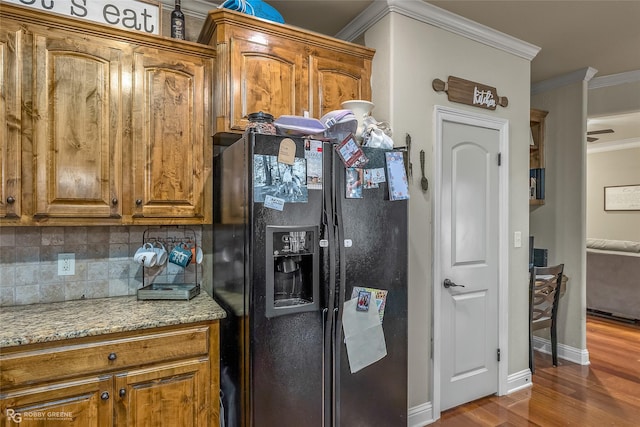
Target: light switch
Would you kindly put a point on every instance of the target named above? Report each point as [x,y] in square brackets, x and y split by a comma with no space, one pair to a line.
[517,239]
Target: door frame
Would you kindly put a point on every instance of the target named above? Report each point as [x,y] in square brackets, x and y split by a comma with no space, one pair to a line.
[447,114]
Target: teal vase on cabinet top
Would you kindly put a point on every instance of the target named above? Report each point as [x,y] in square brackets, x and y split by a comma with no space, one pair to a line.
[257,8]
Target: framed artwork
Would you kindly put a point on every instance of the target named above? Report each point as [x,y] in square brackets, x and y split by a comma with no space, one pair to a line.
[622,198]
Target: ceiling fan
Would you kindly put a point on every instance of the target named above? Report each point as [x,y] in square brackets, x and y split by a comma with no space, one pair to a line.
[597,132]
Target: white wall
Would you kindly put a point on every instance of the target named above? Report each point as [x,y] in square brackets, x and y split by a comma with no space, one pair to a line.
[614,94]
[560,224]
[409,55]
[610,168]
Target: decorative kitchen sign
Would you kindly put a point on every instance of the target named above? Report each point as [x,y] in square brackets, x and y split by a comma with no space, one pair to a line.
[470,93]
[128,14]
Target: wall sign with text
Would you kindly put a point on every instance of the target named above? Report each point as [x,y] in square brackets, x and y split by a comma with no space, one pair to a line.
[622,198]
[128,14]
[470,93]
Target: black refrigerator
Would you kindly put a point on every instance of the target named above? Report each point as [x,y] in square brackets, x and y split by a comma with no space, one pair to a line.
[289,248]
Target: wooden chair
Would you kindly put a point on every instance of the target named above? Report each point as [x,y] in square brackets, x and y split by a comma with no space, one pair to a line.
[544,294]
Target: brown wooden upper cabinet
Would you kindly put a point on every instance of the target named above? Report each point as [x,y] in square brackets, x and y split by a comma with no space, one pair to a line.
[171,128]
[10,136]
[77,128]
[279,69]
[103,125]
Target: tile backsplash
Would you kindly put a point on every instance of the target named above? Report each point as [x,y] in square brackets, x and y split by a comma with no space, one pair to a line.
[104,265]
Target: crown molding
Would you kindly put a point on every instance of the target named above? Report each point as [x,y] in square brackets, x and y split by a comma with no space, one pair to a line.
[583,74]
[365,20]
[615,79]
[440,18]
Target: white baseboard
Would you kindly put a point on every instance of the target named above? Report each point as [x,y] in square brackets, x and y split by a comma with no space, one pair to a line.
[421,415]
[519,381]
[565,352]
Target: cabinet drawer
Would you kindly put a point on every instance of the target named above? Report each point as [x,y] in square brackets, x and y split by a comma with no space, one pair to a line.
[64,361]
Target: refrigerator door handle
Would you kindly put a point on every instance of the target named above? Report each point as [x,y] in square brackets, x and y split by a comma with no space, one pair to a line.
[324,363]
[335,363]
[330,234]
[339,183]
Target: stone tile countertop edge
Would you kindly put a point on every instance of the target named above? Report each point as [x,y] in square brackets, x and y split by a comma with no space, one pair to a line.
[37,323]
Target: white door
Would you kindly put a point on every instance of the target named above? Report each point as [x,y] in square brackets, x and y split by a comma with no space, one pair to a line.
[468,273]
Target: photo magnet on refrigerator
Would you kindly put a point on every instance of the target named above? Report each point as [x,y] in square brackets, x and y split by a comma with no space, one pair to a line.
[273,203]
[279,180]
[353,183]
[313,156]
[364,298]
[351,154]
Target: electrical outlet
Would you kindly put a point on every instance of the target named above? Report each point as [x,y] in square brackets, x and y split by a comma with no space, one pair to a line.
[66,264]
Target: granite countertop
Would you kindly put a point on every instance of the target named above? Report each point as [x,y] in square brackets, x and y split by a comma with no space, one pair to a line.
[28,324]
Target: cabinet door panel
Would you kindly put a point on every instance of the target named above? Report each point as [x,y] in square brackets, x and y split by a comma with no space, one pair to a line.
[335,81]
[77,403]
[173,395]
[10,112]
[78,131]
[267,77]
[169,121]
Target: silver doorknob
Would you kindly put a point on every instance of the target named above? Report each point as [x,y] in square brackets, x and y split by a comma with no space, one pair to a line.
[450,284]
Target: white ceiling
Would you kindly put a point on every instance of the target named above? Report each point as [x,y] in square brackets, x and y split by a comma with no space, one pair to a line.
[572,35]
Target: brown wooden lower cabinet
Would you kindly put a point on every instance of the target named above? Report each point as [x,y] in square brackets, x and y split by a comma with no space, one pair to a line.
[170,395]
[180,391]
[77,402]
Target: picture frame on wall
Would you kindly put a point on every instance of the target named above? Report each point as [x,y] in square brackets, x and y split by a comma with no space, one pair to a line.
[622,198]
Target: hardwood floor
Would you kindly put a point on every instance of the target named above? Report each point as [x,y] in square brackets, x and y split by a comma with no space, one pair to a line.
[605,393]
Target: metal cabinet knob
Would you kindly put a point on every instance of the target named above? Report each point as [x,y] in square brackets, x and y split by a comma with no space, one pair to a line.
[11,200]
[112,356]
[104,395]
[114,201]
[138,202]
[122,392]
